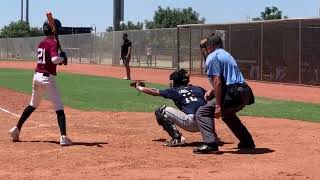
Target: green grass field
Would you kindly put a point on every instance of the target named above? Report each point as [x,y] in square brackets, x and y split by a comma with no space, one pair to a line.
[110,94]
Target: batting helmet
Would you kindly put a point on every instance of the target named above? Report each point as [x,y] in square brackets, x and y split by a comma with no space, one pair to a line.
[179,78]
[47,30]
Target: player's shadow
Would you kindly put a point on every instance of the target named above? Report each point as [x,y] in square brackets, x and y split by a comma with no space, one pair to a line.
[193,144]
[258,150]
[159,140]
[197,143]
[98,144]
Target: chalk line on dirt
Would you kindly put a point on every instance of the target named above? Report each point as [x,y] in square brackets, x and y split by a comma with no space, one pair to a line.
[41,125]
[9,112]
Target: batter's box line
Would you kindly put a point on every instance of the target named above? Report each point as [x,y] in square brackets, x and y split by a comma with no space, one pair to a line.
[10,112]
[41,125]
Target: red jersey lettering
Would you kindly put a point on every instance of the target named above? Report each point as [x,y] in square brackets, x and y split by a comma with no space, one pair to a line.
[47,49]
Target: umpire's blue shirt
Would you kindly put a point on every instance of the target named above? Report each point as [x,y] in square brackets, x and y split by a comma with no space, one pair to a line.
[221,63]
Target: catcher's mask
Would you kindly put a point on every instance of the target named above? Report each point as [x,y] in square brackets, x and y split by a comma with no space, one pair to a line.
[47,30]
[179,78]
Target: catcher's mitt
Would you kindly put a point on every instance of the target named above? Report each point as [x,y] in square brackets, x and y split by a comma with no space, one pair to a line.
[135,84]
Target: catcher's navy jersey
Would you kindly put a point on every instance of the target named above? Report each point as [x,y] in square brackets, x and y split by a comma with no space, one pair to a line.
[187,98]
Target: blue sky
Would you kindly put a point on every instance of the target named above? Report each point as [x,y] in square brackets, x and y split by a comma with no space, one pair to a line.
[100,12]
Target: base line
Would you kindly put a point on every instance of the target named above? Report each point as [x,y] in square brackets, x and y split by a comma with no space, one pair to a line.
[9,112]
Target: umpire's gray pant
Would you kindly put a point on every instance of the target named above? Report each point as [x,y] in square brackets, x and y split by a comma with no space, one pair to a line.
[185,121]
[206,123]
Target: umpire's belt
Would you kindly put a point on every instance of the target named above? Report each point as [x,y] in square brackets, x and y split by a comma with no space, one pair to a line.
[238,85]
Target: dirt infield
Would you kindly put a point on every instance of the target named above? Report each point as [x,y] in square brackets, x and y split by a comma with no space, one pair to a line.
[129,145]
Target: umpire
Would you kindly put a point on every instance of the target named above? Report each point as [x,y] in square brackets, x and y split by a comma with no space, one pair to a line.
[231,95]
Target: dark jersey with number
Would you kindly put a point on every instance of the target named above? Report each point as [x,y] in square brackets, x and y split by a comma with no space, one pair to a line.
[47,49]
[125,48]
[187,98]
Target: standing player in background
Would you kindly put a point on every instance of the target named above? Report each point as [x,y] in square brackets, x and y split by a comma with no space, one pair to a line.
[44,81]
[126,54]
[187,98]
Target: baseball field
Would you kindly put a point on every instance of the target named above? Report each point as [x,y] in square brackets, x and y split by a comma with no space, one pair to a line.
[116,136]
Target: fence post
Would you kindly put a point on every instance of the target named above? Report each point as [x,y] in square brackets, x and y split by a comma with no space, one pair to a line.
[261,52]
[190,46]
[230,35]
[178,47]
[299,51]
[201,57]
[173,53]
[78,43]
[115,56]
[7,47]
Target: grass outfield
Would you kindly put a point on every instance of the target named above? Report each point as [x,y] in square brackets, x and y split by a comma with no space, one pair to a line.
[111,94]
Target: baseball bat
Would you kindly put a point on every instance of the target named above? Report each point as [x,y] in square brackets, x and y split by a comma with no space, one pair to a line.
[54,28]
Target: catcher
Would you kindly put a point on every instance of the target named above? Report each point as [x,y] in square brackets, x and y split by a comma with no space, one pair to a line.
[187,98]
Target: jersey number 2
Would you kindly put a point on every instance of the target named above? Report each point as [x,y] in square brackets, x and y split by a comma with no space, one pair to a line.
[41,56]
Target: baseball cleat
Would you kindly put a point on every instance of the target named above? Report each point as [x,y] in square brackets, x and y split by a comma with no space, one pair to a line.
[65,141]
[246,145]
[207,149]
[176,142]
[14,133]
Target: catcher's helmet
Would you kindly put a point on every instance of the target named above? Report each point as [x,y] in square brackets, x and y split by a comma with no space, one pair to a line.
[47,30]
[179,78]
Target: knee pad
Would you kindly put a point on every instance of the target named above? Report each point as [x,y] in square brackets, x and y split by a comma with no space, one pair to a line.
[160,114]
[167,124]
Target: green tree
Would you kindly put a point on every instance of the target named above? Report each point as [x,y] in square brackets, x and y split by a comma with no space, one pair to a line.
[127,26]
[169,18]
[270,13]
[19,29]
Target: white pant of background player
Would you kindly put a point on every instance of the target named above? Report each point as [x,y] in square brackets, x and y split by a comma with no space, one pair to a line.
[45,84]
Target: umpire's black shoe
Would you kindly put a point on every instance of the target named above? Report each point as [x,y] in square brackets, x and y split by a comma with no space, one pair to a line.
[242,145]
[211,148]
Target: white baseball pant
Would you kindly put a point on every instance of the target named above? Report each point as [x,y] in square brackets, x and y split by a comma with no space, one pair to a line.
[45,84]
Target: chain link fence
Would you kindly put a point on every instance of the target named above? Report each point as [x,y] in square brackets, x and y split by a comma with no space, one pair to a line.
[150,48]
[279,51]
[285,51]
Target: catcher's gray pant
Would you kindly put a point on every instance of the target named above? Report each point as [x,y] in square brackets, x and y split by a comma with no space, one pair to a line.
[187,122]
[206,123]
